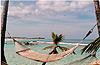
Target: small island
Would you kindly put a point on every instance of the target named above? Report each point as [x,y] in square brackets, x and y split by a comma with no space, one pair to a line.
[25,38]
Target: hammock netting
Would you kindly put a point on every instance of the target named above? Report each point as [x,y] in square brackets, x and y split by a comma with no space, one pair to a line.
[19,46]
[22,50]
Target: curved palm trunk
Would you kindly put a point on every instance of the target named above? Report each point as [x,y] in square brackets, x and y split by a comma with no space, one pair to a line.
[3,29]
[97,11]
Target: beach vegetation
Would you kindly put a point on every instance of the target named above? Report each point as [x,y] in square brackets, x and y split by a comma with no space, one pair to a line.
[92,47]
[56,39]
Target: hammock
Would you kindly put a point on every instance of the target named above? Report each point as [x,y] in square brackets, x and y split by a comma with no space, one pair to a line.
[28,53]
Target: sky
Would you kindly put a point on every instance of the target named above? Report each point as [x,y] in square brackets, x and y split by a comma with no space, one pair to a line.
[38,18]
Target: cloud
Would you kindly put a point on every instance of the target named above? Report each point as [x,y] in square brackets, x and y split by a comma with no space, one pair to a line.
[20,10]
[61,5]
[46,7]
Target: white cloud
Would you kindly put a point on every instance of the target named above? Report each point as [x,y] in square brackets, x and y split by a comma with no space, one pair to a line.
[61,5]
[51,5]
[47,7]
[21,10]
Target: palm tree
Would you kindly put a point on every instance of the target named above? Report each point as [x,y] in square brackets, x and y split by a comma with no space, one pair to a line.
[3,29]
[56,39]
[97,11]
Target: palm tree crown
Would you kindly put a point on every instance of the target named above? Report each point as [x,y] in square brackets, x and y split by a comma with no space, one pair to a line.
[56,38]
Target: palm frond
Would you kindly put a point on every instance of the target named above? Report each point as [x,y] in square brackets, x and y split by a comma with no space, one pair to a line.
[53,36]
[93,46]
[60,38]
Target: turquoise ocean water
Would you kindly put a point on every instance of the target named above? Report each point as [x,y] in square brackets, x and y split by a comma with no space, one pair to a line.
[14,59]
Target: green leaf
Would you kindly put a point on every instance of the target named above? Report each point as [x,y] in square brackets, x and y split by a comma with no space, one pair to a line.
[60,38]
[93,46]
[53,36]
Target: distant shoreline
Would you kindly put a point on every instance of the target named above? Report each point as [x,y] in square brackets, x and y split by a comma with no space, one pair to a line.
[24,38]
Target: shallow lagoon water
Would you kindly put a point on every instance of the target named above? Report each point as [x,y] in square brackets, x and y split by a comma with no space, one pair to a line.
[14,59]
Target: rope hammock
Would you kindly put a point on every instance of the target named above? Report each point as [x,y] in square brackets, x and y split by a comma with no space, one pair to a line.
[28,53]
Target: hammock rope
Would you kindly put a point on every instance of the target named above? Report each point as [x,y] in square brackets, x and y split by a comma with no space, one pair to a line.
[89,32]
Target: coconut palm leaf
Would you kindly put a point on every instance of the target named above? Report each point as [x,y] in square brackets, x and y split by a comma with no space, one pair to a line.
[93,46]
[57,38]
[49,47]
[53,36]
[60,37]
